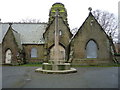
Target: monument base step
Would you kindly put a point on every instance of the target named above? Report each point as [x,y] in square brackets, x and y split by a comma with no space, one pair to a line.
[72,70]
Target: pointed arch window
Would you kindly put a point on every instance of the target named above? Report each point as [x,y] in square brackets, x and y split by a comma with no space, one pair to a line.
[91,49]
[33,53]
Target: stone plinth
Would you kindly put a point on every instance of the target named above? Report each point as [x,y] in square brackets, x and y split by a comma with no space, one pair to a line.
[63,68]
[56,65]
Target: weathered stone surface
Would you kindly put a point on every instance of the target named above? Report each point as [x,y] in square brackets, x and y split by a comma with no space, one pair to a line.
[40,53]
[71,70]
[62,12]
[9,42]
[0,54]
[74,51]
[118,58]
[86,33]
[63,39]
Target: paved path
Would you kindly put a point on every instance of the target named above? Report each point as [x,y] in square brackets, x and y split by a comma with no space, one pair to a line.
[86,77]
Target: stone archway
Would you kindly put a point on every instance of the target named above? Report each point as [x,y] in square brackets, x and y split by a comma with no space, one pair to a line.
[61,53]
[8,56]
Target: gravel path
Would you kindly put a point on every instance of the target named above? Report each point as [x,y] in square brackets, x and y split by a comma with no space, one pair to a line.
[86,77]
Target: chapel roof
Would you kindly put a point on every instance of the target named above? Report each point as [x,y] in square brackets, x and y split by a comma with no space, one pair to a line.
[30,33]
[17,38]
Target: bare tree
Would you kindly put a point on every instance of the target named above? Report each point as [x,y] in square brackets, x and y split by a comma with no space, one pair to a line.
[107,21]
[30,20]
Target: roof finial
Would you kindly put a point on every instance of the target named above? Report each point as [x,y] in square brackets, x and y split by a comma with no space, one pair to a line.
[90,9]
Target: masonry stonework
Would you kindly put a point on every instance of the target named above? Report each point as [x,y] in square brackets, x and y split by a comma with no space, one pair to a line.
[40,53]
[89,46]
[91,30]
[9,42]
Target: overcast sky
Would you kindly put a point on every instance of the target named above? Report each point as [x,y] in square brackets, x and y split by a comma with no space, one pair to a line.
[16,10]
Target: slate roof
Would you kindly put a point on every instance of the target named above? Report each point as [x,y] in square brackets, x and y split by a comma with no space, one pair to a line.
[29,33]
[17,38]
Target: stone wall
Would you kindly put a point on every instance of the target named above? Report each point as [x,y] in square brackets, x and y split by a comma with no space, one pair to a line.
[118,58]
[9,43]
[40,53]
[64,38]
[90,31]
[0,54]
[117,47]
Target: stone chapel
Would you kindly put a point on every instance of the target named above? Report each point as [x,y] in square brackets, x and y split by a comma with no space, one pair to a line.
[34,42]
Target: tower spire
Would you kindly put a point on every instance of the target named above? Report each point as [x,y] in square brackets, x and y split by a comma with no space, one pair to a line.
[62,11]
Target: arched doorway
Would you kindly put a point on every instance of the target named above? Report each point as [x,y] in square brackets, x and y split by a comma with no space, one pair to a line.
[61,53]
[91,49]
[8,56]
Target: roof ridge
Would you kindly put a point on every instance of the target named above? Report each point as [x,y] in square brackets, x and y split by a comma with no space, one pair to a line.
[15,31]
[24,22]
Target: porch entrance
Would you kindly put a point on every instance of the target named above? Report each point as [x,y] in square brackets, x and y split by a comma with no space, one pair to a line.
[8,56]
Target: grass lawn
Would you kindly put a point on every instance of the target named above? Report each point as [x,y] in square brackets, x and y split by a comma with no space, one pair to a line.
[31,65]
[111,65]
[115,65]
[40,65]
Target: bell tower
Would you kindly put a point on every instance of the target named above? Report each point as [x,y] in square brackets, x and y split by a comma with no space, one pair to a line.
[62,12]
